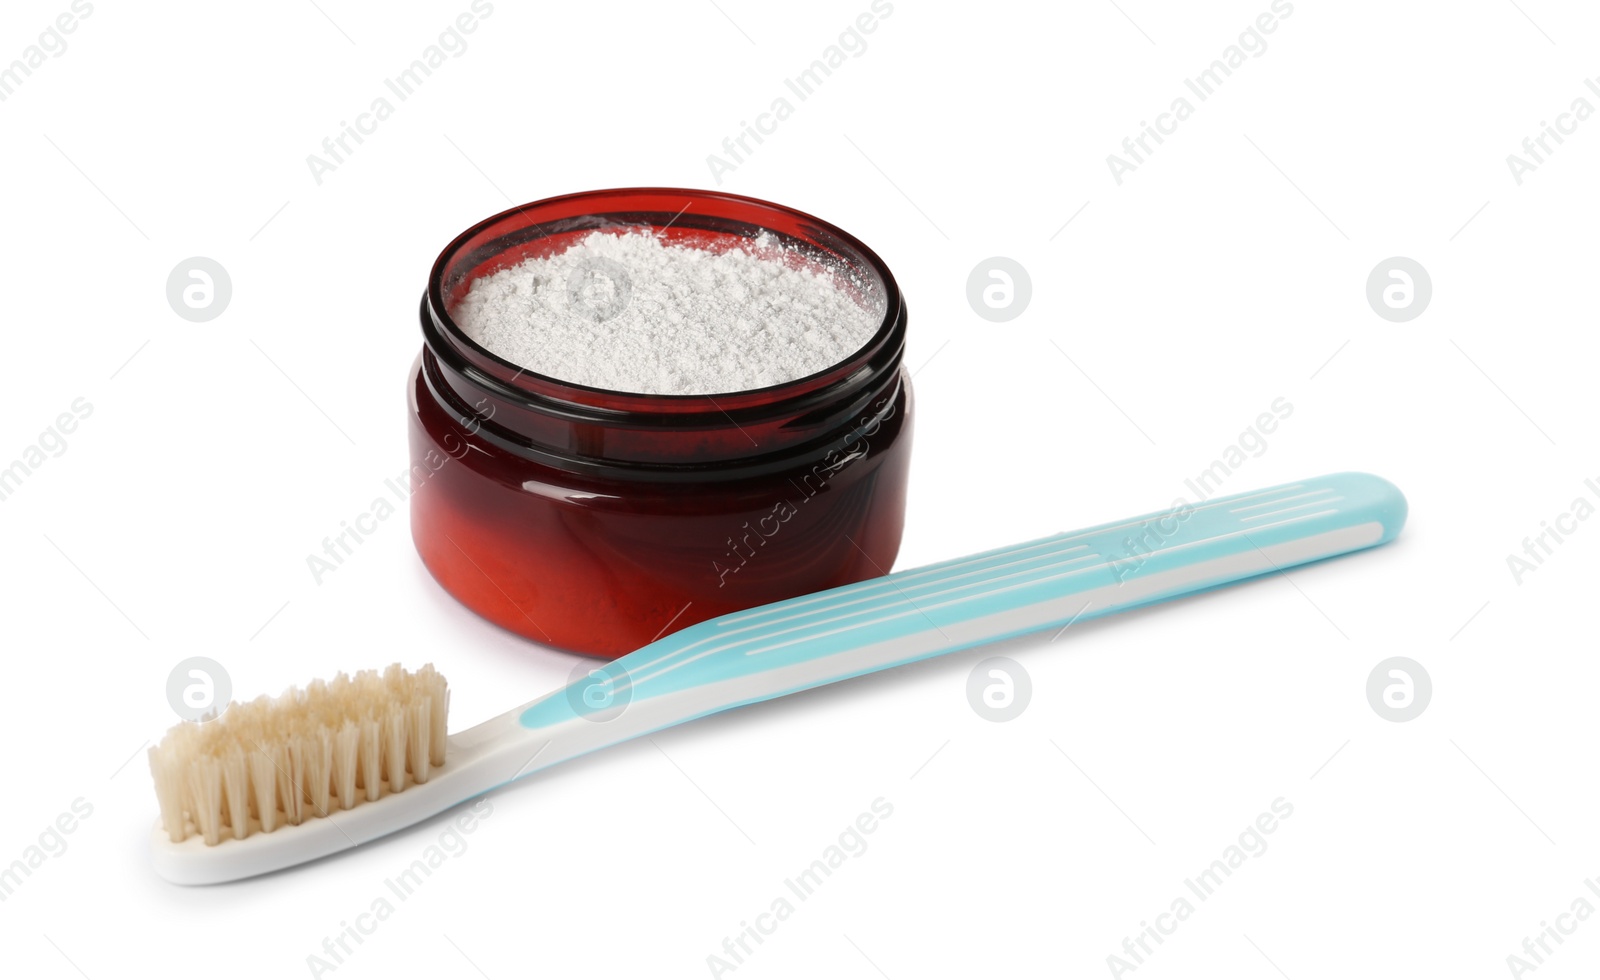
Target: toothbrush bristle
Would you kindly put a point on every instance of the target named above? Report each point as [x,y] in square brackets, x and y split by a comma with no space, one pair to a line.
[284,760]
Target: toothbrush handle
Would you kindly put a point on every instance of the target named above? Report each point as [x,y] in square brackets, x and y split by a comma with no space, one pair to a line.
[912,615]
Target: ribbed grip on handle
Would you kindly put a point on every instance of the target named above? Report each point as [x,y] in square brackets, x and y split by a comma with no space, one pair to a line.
[828,636]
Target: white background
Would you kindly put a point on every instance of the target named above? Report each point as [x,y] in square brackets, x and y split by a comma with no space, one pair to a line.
[1226,272]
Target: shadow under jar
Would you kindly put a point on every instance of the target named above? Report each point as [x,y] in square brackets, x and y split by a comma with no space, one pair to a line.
[599,520]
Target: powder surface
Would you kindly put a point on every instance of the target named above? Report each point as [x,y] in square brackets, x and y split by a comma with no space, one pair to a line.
[629,313]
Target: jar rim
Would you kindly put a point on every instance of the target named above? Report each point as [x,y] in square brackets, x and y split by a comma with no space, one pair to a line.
[711,210]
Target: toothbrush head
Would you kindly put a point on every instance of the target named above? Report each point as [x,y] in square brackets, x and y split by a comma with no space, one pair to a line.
[274,761]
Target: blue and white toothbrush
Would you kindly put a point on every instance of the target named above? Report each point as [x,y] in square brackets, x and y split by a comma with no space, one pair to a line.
[359,741]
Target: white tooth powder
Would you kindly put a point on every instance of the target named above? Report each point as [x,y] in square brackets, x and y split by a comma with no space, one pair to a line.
[628,313]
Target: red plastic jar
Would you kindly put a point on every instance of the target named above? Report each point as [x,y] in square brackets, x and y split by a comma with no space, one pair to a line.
[599,520]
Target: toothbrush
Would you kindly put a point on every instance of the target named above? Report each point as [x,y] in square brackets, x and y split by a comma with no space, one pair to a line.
[722,663]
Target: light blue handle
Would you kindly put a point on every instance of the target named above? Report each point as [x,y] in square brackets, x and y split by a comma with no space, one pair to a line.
[828,636]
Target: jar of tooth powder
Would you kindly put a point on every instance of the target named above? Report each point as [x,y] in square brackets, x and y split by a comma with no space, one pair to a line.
[638,409]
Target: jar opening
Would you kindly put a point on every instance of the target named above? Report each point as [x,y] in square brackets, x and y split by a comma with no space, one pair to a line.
[598,429]
[705,220]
